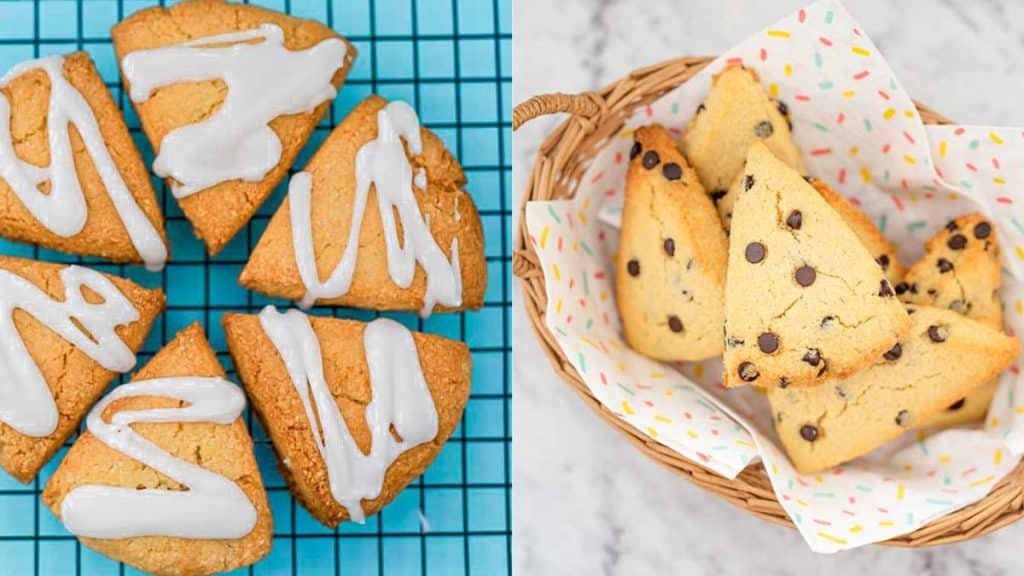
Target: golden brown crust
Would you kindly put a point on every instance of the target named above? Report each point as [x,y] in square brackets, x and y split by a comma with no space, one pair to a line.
[75,380]
[446,366]
[104,233]
[218,212]
[272,269]
[224,450]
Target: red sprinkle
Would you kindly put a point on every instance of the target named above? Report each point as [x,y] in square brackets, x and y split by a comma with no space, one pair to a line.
[597,177]
[821,151]
[995,163]
[959,131]
[825,41]
[898,203]
[764,54]
[840,118]
[971,167]
[842,175]
[731,61]
[861,75]
[908,137]
[801,16]
[886,148]
[883,94]
[802,97]
[1004,200]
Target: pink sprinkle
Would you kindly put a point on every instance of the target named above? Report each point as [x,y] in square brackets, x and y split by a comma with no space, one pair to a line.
[849,512]
[840,118]
[572,282]
[861,75]
[903,183]
[852,500]
[618,157]
[822,522]
[600,235]
[568,319]
[825,41]
[644,386]
[734,60]
[675,132]
[597,177]
[995,163]
[609,192]
[928,195]
[842,175]
[715,418]
[801,16]
[803,97]
[604,380]
[649,403]
[898,203]
[801,482]
[786,497]
[886,148]
[857,32]
[559,243]
[969,471]
[764,54]
[568,216]
[599,274]
[650,111]
[838,471]
[688,416]
[583,303]
[883,510]
[714,432]
[883,94]
[971,167]
[959,131]
[1004,200]
[908,137]
[821,151]
[939,171]
[703,457]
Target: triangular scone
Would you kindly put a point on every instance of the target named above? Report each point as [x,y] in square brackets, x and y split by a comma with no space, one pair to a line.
[670,273]
[101,230]
[804,300]
[217,212]
[224,449]
[944,356]
[736,113]
[446,366]
[75,380]
[443,206]
[960,271]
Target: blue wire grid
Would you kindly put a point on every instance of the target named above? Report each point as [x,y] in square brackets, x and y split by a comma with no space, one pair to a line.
[452,60]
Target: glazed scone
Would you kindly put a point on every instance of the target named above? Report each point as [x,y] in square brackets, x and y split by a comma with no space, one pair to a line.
[82,215]
[219,210]
[343,369]
[736,113]
[943,357]
[670,272]
[804,300]
[75,379]
[223,449]
[443,217]
[960,271]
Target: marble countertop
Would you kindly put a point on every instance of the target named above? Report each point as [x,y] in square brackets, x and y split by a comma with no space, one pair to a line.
[586,502]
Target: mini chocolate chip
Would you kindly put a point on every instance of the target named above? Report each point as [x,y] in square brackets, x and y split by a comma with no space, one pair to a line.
[795,220]
[902,287]
[651,159]
[957,405]
[748,372]
[809,432]
[808,179]
[734,342]
[768,342]
[672,171]
[783,109]
[805,276]
[840,391]
[932,291]
[952,226]
[675,324]
[633,266]
[982,230]
[754,252]
[913,288]
[885,291]
[883,261]
[701,108]
[763,129]
[957,242]
[812,356]
[783,382]
[670,246]
[894,353]
[826,321]
[938,333]
[689,263]
[688,295]
[903,418]
[717,195]
[789,124]
[944,265]
[748,182]
[635,150]
[911,311]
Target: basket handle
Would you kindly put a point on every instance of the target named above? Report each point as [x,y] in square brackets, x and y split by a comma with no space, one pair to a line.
[584,104]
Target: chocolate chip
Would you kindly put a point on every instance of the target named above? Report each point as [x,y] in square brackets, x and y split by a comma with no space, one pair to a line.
[805,276]
[840,390]
[826,321]
[808,179]
[633,266]
[675,324]
[932,292]
[734,342]
[944,265]
[957,405]
[883,261]
[903,418]
[894,353]
[717,195]
[957,242]
[635,150]
[748,182]
[789,124]
[885,291]
[938,333]
[809,432]
[783,109]
[902,287]
[701,108]
[783,382]
[688,295]
[768,342]
[812,356]
[651,159]
[982,230]
[913,288]
[689,263]
[763,129]
[754,252]
[952,226]
[672,171]
[670,246]
[748,372]
[795,220]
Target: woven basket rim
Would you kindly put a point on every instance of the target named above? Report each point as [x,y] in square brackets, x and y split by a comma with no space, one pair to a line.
[560,161]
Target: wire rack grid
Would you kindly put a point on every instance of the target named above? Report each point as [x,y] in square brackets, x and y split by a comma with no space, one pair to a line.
[452,60]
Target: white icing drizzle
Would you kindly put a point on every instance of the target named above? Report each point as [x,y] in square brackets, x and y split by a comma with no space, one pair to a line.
[264,80]
[213,507]
[26,403]
[63,211]
[400,398]
[382,163]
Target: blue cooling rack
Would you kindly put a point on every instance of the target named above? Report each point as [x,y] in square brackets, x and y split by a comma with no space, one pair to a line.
[452,60]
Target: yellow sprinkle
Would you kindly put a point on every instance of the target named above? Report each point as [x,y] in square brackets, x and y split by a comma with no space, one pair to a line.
[775,469]
[1020,306]
[942,148]
[668,392]
[626,135]
[856,528]
[778,33]
[544,236]
[558,306]
[981,481]
[586,202]
[652,432]
[626,408]
[944,459]
[592,345]
[995,137]
[865,174]
[558,273]
[832,538]
[583,218]
[908,113]
[885,523]
[1019,251]
[997,457]
[657,375]
[921,435]
[818,479]
[889,113]
[999,180]
[908,467]
[860,51]
[699,371]
[995,421]
[622,366]
[749,445]
[604,296]
[854,150]
[774,89]
[760,391]
[663,419]
[575,246]
[954,196]
[912,196]
[801,502]
[909,160]
[1019,409]
[899,492]
[849,93]
[691,434]
[789,70]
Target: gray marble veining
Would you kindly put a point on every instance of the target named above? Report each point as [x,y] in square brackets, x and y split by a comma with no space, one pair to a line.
[586,502]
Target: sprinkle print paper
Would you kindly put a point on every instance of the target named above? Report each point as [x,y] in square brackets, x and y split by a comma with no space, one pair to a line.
[860,132]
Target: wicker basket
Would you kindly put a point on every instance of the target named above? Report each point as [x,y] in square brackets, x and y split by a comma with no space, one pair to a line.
[561,161]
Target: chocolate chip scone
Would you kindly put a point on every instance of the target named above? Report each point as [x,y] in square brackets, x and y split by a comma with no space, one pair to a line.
[670,272]
[804,299]
[943,357]
[736,113]
[960,271]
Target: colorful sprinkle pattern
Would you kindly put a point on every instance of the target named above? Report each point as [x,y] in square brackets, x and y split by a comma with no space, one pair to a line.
[908,177]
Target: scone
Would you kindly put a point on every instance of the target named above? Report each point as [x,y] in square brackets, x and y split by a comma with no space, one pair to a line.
[670,271]
[736,113]
[334,242]
[228,94]
[944,356]
[960,271]
[199,444]
[83,190]
[65,332]
[355,411]
[804,300]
